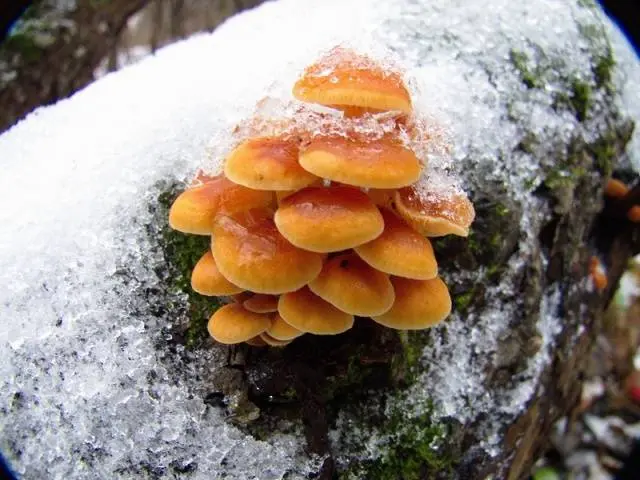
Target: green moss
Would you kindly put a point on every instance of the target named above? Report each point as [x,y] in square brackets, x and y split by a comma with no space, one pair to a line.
[603,69]
[580,98]
[182,252]
[463,300]
[587,3]
[24,44]
[563,177]
[520,62]
[413,452]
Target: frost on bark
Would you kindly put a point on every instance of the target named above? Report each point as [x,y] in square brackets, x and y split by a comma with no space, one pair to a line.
[121,355]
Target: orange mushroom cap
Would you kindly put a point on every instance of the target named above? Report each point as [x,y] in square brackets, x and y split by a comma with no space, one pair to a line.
[380,163]
[419,304]
[195,209]
[615,188]
[232,323]
[261,303]
[353,286]
[435,215]
[252,254]
[343,78]
[241,297]
[307,312]
[633,214]
[268,163]
[206,279]
[273,342]
[400,250]
[281,330]
[328,219]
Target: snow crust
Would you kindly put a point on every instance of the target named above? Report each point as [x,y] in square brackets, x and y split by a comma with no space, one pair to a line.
[86,391]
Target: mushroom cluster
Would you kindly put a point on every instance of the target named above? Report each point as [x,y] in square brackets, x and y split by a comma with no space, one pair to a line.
[318,221]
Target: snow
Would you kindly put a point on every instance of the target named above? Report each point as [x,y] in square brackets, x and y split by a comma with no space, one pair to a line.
[86,389]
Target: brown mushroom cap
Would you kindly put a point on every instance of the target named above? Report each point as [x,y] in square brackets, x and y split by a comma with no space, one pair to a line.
[206,279]
[281,330]
[353,286]
[273,342]
[435,215]
[381,163]
[232,323]
[307,312]
[252,254]
[268,163]
[328,219]
[419,304]
[261,303]
[195,209]
[400,250]
[343,78]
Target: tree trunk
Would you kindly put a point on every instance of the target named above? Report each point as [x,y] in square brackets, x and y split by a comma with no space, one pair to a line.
[41,71]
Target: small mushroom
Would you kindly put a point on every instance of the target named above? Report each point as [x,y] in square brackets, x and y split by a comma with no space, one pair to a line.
[251,253]
[261,303]
[256,342]
[307,312]
[268,163]
[206,279]
[241,297]
[379,163]
[633,214]
[232,323]
[281,330]
[435,215]
[615,188]
[350,284]
[400,250]
[273,342]
[195,209]
[329,219]
[344,78]
[419,304]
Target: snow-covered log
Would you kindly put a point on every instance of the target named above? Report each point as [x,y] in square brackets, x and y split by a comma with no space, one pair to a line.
[106,370]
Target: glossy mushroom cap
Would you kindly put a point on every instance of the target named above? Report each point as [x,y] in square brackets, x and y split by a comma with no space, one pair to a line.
[268,163]
[400,250]
[343,78]
[233,323]
[281,330]
[206,279]
[261,303]
[381,163]
[195,209]
[307,312]
[419,304]
[353,286]
[328,219]
[252,254]
[435,215]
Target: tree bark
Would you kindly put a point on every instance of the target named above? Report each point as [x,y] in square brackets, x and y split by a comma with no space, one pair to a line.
[42,73]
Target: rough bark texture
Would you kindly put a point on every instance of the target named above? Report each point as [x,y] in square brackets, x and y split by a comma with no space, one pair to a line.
[39,70]
[362,372]
[59,53]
